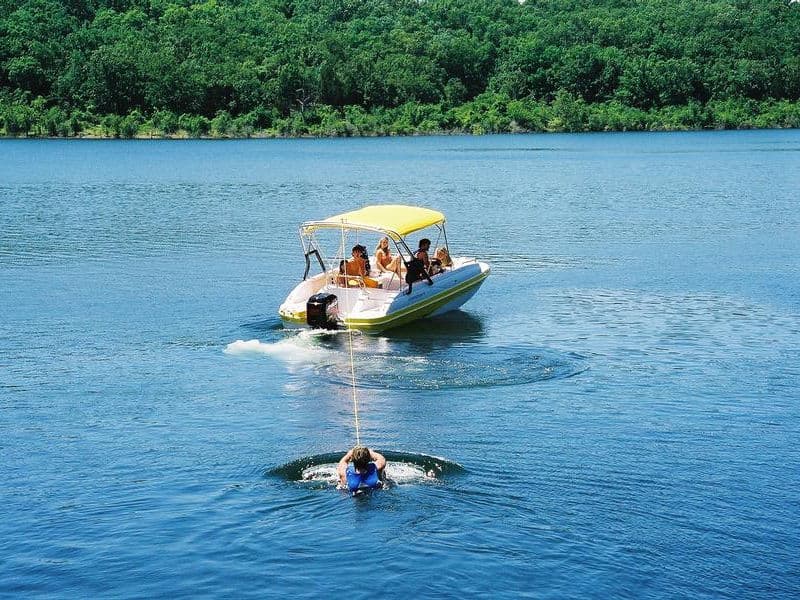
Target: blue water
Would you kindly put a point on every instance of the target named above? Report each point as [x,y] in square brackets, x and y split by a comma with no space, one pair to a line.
[615,414]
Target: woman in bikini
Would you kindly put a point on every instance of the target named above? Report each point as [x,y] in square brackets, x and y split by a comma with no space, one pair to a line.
[386,262]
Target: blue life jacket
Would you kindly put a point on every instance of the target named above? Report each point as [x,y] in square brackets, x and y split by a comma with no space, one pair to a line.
[369,479]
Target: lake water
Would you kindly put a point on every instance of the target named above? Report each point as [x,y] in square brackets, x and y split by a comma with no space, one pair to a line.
[615,414]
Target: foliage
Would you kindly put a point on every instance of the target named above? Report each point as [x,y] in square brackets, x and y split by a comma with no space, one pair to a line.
[225,68]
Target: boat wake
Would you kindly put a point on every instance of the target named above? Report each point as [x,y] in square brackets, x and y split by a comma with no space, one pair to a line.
[385,363]
[300,348]
[465,367]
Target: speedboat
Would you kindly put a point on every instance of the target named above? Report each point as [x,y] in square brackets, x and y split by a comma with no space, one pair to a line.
[376,301]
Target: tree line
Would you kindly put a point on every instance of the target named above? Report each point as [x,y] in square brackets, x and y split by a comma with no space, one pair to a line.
[125,68]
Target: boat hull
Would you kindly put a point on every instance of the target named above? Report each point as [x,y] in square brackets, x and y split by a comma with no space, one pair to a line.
[449,291]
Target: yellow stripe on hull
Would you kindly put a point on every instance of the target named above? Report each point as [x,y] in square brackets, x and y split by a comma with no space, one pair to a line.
[417,310]
[297,318]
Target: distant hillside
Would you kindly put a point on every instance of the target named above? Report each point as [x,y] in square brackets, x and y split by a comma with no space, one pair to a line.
[363,67]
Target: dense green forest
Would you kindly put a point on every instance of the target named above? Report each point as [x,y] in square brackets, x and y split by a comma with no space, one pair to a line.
[127,68]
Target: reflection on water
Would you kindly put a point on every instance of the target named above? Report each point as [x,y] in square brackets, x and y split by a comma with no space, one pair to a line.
[451,327]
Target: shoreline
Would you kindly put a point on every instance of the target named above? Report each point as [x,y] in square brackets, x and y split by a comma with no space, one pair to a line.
[184,136]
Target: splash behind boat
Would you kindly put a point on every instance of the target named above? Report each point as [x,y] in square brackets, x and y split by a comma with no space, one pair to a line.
[332,298]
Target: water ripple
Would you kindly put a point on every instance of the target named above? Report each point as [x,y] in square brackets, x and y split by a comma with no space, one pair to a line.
[382,363]
[470,366]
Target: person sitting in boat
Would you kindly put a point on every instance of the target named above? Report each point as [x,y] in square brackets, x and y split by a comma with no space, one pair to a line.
[347,276]
[387,263]
[417,268]
[422,253]
[440,260]
[358,266]
[443,256]
[367,470]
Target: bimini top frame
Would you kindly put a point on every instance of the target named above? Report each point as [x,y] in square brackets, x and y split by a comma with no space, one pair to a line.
[396,221]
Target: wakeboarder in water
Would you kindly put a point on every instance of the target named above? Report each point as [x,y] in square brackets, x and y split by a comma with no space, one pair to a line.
[367,470]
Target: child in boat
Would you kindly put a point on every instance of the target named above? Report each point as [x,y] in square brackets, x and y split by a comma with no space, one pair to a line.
[367,469]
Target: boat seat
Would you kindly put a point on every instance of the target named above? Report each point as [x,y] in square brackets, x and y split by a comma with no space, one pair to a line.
[391,281]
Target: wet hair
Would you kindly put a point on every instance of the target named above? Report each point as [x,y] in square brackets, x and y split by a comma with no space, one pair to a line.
[361,457]
[424,242]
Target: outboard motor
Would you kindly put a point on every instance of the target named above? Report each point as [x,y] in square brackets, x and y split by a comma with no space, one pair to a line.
[322,311]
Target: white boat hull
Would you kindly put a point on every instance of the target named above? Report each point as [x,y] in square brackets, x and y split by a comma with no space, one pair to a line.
[373,310]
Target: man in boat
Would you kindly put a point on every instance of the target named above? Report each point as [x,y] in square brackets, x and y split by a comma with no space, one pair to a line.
[358,266]
[417,268]
[422,253]
[367,470]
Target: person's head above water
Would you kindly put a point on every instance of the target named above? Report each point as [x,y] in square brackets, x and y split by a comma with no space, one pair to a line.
[361,457]
[367,469]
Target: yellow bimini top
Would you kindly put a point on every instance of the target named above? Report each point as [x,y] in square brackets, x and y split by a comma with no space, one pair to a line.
[395,220]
